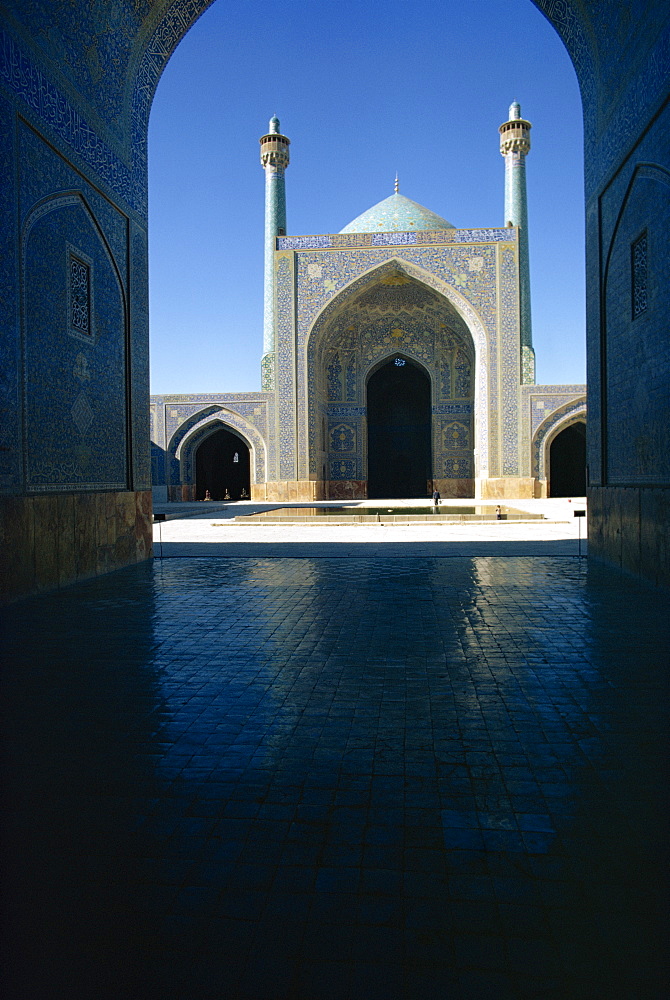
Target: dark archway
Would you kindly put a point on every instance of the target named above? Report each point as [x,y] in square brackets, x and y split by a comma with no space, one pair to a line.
[399,439]
[222,467]
[567,462]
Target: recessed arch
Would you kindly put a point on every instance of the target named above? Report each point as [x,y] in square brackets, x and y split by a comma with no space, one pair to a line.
[463,307]
[220,463]
[186,426]
[73,299]
[636,389]
[389,359]
[203,429]
[183,446]
[557,421]
[66,199]
[462,331]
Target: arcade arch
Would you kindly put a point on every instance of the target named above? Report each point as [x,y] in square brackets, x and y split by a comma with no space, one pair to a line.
[570,454]
[222,465]
[185,445]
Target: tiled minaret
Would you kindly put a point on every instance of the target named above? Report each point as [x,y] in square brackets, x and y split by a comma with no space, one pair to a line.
[514,146]
[275,160]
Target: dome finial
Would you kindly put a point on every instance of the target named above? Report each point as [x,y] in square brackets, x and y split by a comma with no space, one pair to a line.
[274,125]
[396,188]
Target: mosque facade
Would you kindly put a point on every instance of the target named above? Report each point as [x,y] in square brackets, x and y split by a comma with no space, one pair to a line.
[397,359]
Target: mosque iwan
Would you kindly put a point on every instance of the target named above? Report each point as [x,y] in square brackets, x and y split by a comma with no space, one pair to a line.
[397,360]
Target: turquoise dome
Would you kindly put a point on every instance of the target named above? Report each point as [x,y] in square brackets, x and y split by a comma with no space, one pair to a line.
[396,214]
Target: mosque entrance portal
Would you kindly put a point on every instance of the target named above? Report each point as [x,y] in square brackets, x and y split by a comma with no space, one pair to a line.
[222,467]
[567,462]
[399,424]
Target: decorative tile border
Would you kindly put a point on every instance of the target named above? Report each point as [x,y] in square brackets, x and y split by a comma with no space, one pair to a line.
[344,241]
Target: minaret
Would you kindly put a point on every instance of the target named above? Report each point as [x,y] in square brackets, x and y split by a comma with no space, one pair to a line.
[275,160]
[514,146]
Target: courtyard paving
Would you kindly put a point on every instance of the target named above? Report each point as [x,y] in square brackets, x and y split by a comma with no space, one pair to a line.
[354,777]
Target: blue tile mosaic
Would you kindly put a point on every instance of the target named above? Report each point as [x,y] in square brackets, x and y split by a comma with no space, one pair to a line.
[395,214]
[57,113]
[75,427]
[11,442]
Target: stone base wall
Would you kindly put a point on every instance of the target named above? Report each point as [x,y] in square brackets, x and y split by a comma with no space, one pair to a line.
[629,528]
[47,542]
[453,489]
[292,490]
[346,489]
[184,493]
[508,488]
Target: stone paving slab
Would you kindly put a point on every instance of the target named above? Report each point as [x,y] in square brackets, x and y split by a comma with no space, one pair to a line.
[296,779]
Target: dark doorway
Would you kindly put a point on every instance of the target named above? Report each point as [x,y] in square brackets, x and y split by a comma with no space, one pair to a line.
[222,467]
[567,462]
[399,447]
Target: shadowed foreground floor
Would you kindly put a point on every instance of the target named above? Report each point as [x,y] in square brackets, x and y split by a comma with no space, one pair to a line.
[337,778]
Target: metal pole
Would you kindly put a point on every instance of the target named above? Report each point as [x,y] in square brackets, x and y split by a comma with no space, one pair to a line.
[579,514]
[579,535]
[158,519]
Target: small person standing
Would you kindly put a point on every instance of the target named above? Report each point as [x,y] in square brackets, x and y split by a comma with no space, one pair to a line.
[499,513]
[436,497]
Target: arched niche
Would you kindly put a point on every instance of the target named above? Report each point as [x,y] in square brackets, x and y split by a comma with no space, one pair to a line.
[391,312]
[74,350]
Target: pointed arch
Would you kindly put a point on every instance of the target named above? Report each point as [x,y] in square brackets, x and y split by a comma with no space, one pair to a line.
[463,307]
[189,434]
[230,421]
[398,398]
[378,363]
[219,440]
[469,327]
[559,420]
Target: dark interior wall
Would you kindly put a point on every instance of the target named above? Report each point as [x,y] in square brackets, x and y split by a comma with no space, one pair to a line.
[635,362]
[621,53]
[399,431]
[222,467]
[567,462]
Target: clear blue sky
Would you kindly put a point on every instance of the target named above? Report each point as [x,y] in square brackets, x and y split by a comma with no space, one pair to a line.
[362,90]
